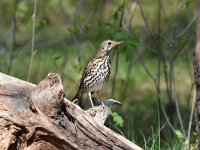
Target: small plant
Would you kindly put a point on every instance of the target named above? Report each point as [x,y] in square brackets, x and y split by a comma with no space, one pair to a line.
[180,136]
[117,118]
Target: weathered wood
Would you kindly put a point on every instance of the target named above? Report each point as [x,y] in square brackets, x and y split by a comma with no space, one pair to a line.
[54,123]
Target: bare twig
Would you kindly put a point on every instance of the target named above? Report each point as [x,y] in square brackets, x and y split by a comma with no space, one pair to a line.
[190,120]
[159,96]
[188,98]
[115,73]
[129,72]
[177,105]
[158,51]
[13,28]
[173,84]
[186,28]
[117,53]
[133,60]
[147,24]
[133,14]
[187,141]
[78,49]
[158,74]
[33,39]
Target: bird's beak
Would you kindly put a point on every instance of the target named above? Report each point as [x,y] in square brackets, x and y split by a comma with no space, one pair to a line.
[120,42]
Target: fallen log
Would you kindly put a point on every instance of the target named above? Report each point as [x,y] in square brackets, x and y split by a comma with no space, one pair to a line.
[39,117]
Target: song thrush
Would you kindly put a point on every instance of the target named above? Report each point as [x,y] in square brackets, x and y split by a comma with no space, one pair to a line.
[97,71]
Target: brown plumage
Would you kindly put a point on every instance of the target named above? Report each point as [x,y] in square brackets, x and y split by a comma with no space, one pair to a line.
[97,71]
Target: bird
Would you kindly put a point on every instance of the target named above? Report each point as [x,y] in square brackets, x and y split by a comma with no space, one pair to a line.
[97,71]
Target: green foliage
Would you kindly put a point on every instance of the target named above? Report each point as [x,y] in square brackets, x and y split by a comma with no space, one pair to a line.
[53,3]
[180,136]
[117,119]
[22,9]
[73,31]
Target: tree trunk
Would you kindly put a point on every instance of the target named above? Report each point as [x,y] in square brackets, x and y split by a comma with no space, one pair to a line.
[196,66]
[39,117]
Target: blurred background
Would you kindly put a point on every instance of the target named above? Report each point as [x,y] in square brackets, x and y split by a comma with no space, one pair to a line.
[151,71]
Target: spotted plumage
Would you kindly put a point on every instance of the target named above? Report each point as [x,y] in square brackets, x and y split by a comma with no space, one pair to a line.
[97,71]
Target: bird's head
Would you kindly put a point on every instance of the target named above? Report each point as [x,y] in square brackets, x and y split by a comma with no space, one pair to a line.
[106,47]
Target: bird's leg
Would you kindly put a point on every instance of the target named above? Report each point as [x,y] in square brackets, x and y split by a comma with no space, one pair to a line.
[98,96]
[90,97]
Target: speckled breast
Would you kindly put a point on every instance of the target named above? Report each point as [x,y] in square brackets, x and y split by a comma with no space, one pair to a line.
[99,75]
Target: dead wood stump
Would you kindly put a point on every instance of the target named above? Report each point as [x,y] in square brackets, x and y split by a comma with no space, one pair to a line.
[39,117]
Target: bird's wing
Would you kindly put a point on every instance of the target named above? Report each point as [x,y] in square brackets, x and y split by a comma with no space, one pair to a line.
[86,72]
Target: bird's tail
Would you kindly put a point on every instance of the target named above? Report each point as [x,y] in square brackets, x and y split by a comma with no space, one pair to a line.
[77,98]
[78,95]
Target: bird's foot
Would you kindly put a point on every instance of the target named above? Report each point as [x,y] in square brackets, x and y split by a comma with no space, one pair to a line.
[75,101]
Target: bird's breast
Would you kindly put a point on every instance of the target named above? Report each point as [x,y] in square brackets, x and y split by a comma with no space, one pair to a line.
[98,75]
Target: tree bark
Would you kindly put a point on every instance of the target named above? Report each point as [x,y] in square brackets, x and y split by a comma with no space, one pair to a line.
[39,117]
[196,67]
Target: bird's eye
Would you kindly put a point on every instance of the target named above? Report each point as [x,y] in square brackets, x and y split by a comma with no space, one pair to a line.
[109,43]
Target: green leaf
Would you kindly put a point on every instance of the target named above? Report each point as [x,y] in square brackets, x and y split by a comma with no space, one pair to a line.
[57,58]
[180,135]
[35,52]
[22,8]
[73,30]
[117,119]
[42,23]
